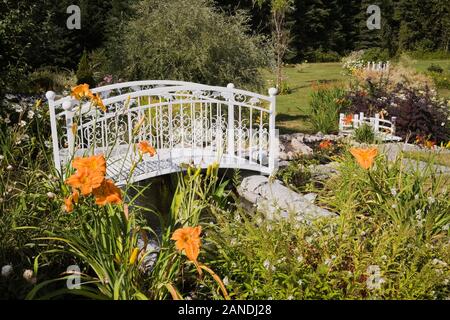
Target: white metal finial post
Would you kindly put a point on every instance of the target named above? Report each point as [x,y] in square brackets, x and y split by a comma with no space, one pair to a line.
[230,137]
[50,95]
[272,138]
[68,107]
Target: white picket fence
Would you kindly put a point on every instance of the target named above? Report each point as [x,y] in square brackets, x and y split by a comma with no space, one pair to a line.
[383,129]
[378,66]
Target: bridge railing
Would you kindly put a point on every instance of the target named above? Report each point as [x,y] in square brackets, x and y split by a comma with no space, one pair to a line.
[185,122]
[383,129]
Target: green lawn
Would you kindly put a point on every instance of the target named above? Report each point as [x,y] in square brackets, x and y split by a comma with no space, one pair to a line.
[422,65]
[293,108]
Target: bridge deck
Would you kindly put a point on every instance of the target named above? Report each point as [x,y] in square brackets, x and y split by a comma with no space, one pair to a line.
[120,164]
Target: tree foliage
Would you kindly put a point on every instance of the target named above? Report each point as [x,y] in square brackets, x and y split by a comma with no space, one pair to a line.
[162,41]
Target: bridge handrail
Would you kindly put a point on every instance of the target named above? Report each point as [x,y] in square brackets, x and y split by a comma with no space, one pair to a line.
[187,92]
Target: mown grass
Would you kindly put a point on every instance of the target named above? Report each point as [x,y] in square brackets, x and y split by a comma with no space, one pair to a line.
[293,108]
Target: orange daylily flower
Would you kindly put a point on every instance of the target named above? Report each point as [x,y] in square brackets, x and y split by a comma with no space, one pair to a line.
[108,192]
[94,164]
[97,101]
[429,144]
[145,147]
[75,195]
[348,119]
[81,91]
[85,180]
[364,157]
[188,239]
[325,144]
[68,204]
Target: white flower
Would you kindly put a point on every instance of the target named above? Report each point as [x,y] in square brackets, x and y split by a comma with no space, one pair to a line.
[270,298]
[225,281]
[18,108]
[328,262]
[291,297]
[30,114]
[48,144]
[7,120]
[374,282]
[446,227]
[416,197]
[431,200]
[233,242]
[300,282]
[22,123]
[373,270]
[2,157]
[268,265]
[442,124]
[300,259]
[394,206]
[237,218]
[51,195]
[29,276]
[439,262]
[9,167]
[394,192]
[7,270]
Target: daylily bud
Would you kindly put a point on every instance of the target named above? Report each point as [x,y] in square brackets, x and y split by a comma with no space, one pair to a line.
[134,255]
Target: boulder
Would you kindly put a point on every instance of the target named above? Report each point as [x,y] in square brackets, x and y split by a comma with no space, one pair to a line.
[277,201]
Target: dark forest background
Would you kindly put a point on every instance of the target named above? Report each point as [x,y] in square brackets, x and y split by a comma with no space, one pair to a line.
[33,33]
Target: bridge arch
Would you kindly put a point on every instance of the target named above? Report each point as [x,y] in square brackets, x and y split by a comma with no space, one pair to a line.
[186,123]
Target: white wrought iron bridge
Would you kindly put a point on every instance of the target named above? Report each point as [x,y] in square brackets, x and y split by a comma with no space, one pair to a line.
[185,122]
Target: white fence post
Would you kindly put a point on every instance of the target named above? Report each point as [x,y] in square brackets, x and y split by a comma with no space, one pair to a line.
[341,121]
[393,120]
[355,121]
[376,125]
[230,138]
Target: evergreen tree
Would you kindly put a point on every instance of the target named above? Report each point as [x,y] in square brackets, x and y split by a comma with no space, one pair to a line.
[84,72]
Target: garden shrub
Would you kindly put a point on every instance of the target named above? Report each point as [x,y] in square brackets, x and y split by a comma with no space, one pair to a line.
[321,56]
[354,61]
[364,134]
[435,68]
[376,54]
[164,42]
[45,79]
[418,113]
[441,80]
[326,104]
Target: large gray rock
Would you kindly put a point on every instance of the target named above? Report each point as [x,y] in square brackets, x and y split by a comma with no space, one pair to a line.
[277,201]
